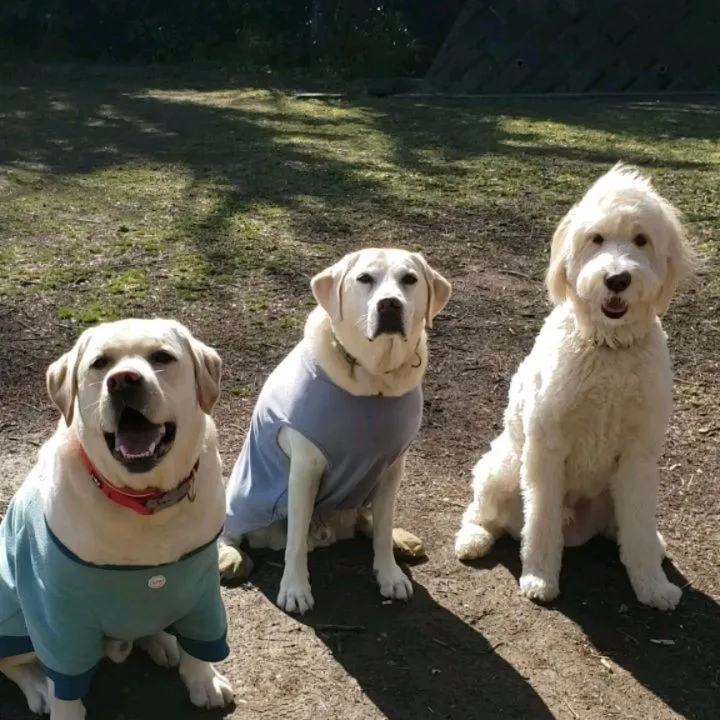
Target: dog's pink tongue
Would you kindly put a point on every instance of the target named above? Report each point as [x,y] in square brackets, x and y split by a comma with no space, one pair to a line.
[133,443]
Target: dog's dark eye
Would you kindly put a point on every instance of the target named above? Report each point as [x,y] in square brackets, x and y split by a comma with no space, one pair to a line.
[365,279]
[408,279]
[640,240]
[598,239]
[100,362]
[161,358]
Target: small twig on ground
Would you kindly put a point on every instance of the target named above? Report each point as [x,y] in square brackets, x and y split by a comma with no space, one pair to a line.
[494,647]
[274,564]
[630,637]
[443,644]
[25,440]
[570,708]
[476,366]
[448,501]
[515,273]
[326,627]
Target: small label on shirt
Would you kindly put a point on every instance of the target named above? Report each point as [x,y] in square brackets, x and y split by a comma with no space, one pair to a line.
[156,582]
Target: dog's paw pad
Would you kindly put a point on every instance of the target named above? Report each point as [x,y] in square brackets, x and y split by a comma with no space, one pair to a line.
[663,596]
[394,584]
[213,690]
[295,597]
[472,542]
[537,588]
[233,563]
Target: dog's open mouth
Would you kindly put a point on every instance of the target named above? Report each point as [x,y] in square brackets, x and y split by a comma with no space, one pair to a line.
[614,307]
[139,444]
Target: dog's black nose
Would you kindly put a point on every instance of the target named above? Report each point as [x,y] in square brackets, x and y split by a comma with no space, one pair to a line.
[619,282]
[123,381]
[390,304]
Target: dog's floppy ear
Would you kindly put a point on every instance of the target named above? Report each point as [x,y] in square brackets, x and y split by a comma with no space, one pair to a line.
[681,261]
[438,289]
[61,378]
[208,369]
[327,286]
[556,279]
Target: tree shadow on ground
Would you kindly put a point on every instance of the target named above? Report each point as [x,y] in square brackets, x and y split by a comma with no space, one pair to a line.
[597,596]
[273,155]
[411,660]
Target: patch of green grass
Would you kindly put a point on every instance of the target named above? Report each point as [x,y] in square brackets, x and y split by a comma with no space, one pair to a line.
[183,194]
[132,281]
[87,314]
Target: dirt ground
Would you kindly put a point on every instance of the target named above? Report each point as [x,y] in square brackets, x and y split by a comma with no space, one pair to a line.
[467,646]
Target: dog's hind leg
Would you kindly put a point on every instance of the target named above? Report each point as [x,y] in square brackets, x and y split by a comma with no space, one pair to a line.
[234,563]
[406,546]
[162,648]
[32,681]
[496,507]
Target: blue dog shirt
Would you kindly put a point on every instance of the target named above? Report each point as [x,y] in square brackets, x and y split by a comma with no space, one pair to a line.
[60,607]
[359,436]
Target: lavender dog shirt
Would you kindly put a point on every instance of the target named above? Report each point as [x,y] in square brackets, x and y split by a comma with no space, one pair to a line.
[360,437]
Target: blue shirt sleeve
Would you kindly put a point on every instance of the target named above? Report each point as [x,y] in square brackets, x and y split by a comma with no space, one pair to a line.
[67,640]
[202,632]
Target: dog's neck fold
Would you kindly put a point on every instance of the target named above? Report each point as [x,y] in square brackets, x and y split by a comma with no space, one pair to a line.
[389,365]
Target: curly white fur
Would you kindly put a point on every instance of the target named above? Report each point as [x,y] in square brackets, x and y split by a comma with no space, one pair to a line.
[589,406]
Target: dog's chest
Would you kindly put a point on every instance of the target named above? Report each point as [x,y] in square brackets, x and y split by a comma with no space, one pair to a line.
[611,406]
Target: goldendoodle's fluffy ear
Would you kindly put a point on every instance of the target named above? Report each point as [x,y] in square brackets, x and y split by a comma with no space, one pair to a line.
[681,260]
[556,278]
[327,286]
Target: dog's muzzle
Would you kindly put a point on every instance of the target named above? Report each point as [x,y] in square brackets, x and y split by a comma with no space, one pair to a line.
[389,317]
[137,443]
[614,307]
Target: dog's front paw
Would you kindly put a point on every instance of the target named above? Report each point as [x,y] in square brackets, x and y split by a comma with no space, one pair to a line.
[67,709]
[660,594]
[295,595]
[394,583]
[538,588]
[207,687]
[162,648]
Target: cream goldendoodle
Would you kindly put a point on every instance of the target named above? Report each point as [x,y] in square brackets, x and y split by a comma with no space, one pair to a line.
[589,406]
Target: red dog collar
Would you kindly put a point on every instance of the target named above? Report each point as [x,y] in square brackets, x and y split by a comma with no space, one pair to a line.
[144,502]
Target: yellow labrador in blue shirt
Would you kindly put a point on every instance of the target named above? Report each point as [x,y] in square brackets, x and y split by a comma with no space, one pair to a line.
[122,508]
